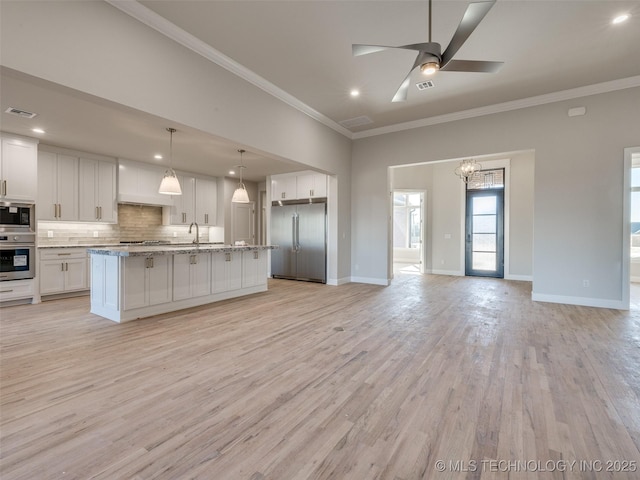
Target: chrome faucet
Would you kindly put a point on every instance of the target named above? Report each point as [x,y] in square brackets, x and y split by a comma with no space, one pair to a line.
[197,239]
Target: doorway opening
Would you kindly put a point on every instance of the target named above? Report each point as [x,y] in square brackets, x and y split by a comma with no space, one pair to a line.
[408,231]
[484,224]
[631,231]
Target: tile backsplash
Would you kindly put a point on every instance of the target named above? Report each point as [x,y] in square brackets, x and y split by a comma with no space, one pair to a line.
[135,222]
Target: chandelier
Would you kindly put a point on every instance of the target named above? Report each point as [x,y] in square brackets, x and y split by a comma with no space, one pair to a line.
[467,169]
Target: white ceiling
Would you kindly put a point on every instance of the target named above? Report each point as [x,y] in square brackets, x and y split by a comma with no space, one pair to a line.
[304,49]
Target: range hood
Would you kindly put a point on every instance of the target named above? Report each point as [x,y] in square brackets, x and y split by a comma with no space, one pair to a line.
[138,184]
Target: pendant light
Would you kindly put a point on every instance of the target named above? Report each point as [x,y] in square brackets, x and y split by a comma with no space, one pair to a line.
[170,184]
[240,195]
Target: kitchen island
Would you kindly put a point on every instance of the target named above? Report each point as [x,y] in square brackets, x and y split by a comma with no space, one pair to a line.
[131,282]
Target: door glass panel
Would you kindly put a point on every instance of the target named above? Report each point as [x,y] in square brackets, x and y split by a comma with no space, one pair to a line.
[484,223]
[484,242]
[484,205]
[484,261]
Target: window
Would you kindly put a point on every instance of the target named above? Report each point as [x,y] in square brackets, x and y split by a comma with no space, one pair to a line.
[406,220]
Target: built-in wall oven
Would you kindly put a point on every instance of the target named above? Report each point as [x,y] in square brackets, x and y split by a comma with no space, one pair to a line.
[17,241]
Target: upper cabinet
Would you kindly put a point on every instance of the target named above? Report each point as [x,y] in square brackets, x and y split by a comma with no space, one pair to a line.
[57,187]
[298,186]
[18,168]
[283,187]
[139,182]
[206,201]
[311,185]
[198,202]
[183,208]
[97,193]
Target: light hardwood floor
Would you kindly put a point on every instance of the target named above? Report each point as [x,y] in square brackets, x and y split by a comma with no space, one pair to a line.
[309,381]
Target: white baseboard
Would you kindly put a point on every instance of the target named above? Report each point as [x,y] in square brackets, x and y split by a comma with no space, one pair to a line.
[583,301]
[455,273]
[521,278]
[373,281]
[338,281]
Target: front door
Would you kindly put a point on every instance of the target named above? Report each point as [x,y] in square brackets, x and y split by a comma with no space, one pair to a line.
[485,230]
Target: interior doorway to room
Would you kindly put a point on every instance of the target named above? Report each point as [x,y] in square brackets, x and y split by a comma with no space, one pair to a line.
[408,231]
[484,224]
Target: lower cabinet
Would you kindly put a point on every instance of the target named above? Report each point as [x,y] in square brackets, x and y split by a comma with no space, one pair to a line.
[226,271]
[191,276]
[63,270]
[147,281]
[254,268]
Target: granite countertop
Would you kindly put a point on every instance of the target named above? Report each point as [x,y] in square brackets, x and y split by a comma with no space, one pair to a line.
[171,249]
[93,245]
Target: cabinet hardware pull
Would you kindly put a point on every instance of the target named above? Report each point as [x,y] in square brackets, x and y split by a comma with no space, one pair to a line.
[255,255]
[206,218]
[62,267]
[63,254]
[100,210]
[66,267]
[228,259]
[4,187]
[6,291]
[59,210]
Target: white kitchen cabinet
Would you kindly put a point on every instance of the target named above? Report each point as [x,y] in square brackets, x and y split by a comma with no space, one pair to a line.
[254,268]
[283,187]
[104,290]
[299,186]
[97,192]
[183,209]
[146,281]
[206,201]
[139,183]
[18,169]
[311,185]
[16,290]
[226,271]
[63,270]
[57,187]
[191,276]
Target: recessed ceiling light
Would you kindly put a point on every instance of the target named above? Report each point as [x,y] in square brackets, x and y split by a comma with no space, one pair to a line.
[157,156]
[232,172]
[355,92]
[620,18]
[37,130]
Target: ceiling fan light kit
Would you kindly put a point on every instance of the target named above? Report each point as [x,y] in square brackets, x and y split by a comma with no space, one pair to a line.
[430,59]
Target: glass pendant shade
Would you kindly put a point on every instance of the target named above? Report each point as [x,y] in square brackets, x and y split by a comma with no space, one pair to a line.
[170,184]
[240,195]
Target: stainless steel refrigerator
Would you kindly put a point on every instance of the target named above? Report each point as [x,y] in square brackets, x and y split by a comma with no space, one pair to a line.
[300,230]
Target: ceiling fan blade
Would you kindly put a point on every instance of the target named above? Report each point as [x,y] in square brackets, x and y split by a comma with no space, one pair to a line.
[401,94]
[472,66]
[472,17]
[359,49]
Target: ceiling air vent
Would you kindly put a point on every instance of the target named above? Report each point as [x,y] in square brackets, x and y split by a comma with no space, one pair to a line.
[425,85]
[356,122]
[20,113]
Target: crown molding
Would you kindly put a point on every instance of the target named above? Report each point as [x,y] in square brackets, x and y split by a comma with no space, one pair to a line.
[172,31]
[560,96]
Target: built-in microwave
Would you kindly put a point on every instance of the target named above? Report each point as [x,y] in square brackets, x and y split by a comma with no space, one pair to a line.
[17,217]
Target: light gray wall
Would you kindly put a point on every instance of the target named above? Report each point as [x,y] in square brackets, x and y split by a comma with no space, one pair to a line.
[578,189]
[97,49]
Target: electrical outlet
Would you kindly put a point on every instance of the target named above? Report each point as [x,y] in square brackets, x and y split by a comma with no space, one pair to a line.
[175,234]
[585,283]
[95,234]
[50,233]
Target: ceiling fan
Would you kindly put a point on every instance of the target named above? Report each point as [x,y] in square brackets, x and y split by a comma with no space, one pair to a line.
[430,59]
